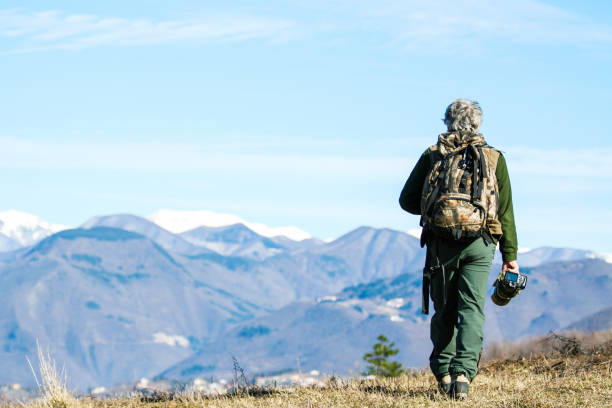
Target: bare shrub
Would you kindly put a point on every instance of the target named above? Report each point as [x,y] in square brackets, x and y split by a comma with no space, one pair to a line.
[569,343]
[241,384]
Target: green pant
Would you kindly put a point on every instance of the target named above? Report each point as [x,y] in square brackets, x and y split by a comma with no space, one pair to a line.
[456,327]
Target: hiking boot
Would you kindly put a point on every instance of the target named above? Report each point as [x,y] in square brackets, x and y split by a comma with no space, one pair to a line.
[444,384]
[460,387]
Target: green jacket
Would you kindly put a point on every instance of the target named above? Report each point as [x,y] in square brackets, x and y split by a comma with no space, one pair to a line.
[410,200]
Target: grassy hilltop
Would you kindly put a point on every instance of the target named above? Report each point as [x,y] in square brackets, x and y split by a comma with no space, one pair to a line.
[552,371]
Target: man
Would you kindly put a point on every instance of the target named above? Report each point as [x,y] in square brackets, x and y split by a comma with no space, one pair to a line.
[461,189]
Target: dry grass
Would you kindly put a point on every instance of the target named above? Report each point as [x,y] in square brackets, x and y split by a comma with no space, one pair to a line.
[52,384]
[562,377]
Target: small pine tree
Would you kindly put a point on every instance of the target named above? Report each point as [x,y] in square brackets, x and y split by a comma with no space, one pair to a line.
[379,365]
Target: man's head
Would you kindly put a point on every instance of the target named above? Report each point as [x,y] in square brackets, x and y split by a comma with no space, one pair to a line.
[463,116]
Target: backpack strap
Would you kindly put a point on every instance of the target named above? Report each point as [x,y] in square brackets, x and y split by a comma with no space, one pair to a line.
[482,170]
[429,271]
[435,156]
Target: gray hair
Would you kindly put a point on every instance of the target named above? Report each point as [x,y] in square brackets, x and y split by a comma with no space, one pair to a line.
[463,116]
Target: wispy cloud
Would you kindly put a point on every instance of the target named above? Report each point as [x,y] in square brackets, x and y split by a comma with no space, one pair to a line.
[442,26]
[181,158]
[575,169]
[458,26]
[57,30]
[585,164]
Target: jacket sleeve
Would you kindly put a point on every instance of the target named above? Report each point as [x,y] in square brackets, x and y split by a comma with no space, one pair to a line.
[410,197]
[508,244]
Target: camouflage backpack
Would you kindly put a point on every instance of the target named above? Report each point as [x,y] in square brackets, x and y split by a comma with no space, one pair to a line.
[460,195]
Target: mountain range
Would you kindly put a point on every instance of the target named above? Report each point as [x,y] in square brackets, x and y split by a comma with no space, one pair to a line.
[121,298]
[346,325]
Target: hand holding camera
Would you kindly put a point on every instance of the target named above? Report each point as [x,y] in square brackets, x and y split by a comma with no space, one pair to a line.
[509,283]
[511,266]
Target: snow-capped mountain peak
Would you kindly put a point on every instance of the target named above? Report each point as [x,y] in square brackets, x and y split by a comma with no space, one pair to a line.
[26,229]
[604,257]
[415,232]
[181,221]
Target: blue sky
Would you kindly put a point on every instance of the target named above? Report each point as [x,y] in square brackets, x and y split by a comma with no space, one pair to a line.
[306,113]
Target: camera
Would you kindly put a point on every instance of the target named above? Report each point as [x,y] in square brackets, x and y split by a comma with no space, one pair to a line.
[507,286]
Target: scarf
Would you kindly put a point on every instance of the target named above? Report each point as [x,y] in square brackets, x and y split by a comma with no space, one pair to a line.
[452,142]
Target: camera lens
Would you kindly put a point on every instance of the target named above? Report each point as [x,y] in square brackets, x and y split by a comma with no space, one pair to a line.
[498,300]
